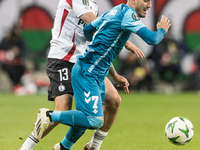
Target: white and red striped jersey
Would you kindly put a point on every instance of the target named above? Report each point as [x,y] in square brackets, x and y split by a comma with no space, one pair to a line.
[68,39]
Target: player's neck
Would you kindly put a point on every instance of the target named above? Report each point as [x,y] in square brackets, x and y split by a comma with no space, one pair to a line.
[130,4]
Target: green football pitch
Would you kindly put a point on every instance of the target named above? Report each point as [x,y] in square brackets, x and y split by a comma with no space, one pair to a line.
[139,125]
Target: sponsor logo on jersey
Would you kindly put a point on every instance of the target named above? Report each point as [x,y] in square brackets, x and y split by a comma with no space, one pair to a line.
[81,22]
[135,16]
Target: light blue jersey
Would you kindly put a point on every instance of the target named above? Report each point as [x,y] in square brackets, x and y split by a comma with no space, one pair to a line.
[113,30]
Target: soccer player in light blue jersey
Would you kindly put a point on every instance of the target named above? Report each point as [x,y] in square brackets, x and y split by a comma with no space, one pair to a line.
[111,32]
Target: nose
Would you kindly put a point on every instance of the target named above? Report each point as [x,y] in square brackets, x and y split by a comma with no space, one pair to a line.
[149,4]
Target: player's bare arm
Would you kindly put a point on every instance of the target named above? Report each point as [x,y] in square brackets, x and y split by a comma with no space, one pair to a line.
[88,17]
[134,49]
[119,79]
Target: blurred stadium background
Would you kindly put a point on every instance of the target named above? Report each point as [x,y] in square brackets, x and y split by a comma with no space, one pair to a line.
[144,75]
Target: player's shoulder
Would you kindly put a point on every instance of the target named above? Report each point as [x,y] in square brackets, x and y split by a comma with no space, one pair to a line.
[121,7]
[83,2]
[75,3]
[131,13]
[116,11]
[126,10]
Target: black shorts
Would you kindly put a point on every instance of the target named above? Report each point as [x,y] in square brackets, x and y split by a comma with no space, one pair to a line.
[59,73]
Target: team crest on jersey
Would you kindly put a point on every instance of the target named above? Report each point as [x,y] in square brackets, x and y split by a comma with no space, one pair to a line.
[61,88]
[85,2]
[135,16]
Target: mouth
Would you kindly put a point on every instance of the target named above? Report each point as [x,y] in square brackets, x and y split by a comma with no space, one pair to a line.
[145,10]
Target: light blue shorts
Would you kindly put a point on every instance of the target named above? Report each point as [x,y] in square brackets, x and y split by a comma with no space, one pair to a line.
[89,95]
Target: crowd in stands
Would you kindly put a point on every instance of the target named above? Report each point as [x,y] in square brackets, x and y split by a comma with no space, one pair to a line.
[12,61]
[170,67]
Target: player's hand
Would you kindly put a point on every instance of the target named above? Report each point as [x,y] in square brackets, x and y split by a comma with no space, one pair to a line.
[164,23]
[134,49]
[123,82]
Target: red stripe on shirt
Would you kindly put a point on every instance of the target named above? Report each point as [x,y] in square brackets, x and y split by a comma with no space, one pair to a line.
[69,2]
[71,52]
[65,13]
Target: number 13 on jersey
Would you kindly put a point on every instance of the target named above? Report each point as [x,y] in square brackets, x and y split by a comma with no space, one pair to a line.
[63,74]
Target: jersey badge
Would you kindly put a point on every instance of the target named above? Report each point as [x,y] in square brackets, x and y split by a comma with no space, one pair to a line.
[85,2]
[61,88]
[135,16]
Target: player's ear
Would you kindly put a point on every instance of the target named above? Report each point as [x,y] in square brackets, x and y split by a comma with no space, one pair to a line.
[133,1]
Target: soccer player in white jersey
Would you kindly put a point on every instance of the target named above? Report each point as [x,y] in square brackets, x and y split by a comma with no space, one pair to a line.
[67,43]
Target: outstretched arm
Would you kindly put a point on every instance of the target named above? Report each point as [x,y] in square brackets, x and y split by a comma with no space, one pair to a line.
[119,79]
[151,37]
[154,37]
[134,49]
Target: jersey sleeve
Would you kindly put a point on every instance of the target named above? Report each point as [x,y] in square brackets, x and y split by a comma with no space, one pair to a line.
[131,21]
[88,31]
[81,7]
[97,22]
[151,37]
